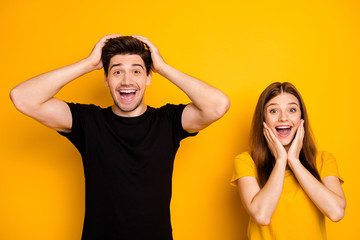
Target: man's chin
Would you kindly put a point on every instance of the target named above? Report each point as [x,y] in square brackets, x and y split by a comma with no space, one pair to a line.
[128,108]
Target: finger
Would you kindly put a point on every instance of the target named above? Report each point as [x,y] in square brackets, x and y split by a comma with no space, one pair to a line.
[145,40]
[271,134]
[105,38]
[302,135]
[267,137]
[271,139]
[266,132]
[112,36]
[140,37]
[300,132]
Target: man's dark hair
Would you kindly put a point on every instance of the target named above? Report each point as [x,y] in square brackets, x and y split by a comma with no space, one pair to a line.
[125,45]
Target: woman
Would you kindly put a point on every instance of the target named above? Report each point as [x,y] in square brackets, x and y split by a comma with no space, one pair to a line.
[285,184]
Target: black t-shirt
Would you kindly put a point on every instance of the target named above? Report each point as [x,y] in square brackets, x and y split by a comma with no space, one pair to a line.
[128,164]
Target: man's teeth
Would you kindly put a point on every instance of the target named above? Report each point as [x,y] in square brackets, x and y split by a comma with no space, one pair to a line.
[127,91]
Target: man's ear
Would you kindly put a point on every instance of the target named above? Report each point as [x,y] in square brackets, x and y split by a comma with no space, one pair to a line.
[106,81]
[148,79]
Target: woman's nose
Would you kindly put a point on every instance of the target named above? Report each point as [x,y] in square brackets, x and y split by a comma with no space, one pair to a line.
[283,116]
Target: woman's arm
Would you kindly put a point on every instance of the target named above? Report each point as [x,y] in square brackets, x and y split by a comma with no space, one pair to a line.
[328,196]
[261,202]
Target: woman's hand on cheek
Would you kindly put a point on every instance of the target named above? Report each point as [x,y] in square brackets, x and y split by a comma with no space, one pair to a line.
[275,146]
[297,144]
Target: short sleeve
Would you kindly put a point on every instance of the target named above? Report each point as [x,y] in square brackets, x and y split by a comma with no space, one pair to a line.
[244,166]
[327,165]
[175,114]
[79,114]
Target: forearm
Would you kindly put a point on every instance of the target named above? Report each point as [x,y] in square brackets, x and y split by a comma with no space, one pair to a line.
[210,101]
[32,93]
[332,204]
[264,203]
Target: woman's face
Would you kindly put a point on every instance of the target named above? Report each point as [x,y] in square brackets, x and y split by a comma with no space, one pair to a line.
[283,116]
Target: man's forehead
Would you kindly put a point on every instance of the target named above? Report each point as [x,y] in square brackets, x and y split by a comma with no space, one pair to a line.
[125,59]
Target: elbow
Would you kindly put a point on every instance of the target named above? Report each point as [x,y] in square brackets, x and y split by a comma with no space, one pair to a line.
[223,105]
[261,216]
[262,220]
[14,98]
[337,215]
[19,102]
[338,211]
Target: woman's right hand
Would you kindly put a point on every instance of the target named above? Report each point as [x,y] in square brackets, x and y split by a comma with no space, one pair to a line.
[275,146]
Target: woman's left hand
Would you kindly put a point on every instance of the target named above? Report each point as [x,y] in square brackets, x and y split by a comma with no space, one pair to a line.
[297,144]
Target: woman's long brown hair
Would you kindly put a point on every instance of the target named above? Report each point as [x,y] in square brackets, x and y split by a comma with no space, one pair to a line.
[260,152]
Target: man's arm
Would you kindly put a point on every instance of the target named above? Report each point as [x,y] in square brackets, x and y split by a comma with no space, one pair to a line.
[208,103]
[35,97]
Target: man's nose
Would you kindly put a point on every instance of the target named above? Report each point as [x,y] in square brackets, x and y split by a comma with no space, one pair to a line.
[126,79]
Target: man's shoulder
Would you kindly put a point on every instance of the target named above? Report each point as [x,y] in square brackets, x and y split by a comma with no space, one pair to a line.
[81,110]
[85,107]
[171,106]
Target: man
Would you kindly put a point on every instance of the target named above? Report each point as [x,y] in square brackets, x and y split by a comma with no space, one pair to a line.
[127,149]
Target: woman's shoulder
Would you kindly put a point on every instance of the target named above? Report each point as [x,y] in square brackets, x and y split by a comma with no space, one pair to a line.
[323,156]
[326,164]
[243,166]
[244,157]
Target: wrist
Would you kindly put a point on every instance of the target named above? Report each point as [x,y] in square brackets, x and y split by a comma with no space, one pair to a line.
[88,65]
[282,161]
[293,161]
[162,69]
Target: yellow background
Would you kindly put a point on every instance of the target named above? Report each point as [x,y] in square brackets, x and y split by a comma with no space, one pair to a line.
[237,46]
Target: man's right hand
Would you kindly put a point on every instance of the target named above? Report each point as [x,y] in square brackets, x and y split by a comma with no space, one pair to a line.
[95,55]
[35,97]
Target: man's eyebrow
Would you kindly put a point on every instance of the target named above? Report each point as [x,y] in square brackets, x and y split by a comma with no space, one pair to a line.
[139,65]
[115,65]
[120,64]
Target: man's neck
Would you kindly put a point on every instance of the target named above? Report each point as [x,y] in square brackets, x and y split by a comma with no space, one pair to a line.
[134,113]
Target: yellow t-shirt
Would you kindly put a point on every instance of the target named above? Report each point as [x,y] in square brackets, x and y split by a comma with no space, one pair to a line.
[295,216]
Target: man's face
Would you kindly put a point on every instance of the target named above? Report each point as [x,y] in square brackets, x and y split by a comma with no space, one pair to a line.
[127,80]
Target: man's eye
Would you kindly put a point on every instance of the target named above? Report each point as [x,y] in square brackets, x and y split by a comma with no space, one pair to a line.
[137,72]
[117,72]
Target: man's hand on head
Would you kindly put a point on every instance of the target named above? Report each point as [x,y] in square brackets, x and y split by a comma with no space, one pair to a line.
[95,55]
[158,62]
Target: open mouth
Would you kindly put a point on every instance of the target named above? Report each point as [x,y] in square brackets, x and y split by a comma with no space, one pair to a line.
[283,131]
[127,95]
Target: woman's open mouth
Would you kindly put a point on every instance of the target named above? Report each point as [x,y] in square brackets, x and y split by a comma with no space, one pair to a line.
[283,131]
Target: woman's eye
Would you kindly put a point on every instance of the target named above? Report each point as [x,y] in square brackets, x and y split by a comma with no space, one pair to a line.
[293,110]
[273,111]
